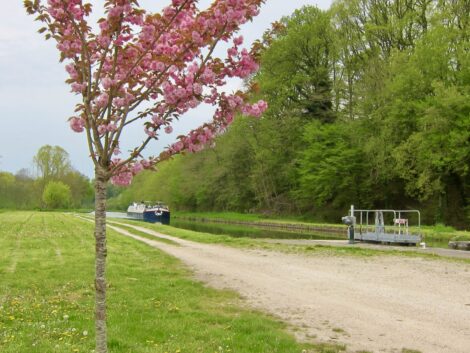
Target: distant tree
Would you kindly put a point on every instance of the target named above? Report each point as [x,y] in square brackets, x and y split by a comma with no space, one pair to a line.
[24,174]
[52,163]
[57,195]
[80,187]
[6,179]
[7,182]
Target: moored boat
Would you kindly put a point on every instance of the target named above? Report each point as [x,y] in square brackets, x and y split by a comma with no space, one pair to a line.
[156,212]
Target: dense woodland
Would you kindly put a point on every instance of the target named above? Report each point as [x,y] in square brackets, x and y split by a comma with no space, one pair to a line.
[52,184]
[369,104]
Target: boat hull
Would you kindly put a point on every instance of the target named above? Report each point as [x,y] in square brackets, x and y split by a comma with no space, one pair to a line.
[149,214]
[157,217]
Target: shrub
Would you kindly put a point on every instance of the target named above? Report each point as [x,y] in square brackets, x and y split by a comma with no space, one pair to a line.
[57,195]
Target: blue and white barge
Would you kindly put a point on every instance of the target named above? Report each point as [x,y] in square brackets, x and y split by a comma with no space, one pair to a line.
[156,212]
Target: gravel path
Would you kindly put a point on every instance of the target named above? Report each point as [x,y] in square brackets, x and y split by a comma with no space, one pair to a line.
[379,304]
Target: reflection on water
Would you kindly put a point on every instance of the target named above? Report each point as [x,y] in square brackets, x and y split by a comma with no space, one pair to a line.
[235,230]
[248,231]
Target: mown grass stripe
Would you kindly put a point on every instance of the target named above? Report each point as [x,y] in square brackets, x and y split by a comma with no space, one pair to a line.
[154,305]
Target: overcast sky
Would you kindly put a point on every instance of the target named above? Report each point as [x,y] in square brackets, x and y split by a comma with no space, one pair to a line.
[35,102]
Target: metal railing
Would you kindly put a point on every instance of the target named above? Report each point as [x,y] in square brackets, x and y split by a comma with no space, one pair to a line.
[400,226]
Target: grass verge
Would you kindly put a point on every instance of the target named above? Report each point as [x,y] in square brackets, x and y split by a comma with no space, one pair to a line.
[143,234]
[47,297]
[324,250]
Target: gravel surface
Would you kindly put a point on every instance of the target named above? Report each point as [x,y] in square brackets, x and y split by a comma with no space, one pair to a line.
[378,304]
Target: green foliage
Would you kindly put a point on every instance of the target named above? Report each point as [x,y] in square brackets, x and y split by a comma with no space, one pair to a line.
[368,104]
[23,191]
[330,167]
[52,162]
[295,74]
[18,191]
[57,195]
[81,189]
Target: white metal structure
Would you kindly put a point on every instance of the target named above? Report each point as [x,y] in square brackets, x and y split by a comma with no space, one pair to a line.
[371,225]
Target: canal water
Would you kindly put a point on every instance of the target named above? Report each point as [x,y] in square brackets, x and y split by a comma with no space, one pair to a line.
[238,231]
[248,231]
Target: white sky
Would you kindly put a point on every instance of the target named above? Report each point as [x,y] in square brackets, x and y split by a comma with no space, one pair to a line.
[35,102]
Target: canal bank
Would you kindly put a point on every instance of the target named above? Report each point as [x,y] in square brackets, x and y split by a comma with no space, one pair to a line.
[254,231]
[433,235]
[254,226]
[337,231]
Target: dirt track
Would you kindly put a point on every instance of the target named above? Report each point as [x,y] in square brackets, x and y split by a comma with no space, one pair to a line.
[375,304]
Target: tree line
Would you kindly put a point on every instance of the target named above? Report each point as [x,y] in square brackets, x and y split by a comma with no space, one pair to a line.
[369,103]
[54,184]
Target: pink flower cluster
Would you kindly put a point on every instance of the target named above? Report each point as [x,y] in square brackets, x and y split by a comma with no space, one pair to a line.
[256,109]
[159,61]
[194,141]
[104,128]
[125,173]
[240,63]
[77,124]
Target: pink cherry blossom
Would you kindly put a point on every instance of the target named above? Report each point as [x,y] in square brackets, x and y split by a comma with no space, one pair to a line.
[107,82]
[102,100]
[122,178]
[178,146]
[77,124]
[137,67]
[111,127]
[137,167]
[256,109]
[102,129]
[78,87]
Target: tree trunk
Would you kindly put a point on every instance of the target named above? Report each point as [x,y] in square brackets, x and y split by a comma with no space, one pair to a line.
[100,263]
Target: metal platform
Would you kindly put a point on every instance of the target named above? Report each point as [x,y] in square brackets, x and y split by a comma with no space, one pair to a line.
[384,226]
[388,238]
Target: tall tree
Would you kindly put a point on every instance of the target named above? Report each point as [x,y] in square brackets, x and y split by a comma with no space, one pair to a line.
[163,64]
[296,66]
[52,162]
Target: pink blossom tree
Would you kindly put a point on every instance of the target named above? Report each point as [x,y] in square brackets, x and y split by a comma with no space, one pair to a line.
[137,67]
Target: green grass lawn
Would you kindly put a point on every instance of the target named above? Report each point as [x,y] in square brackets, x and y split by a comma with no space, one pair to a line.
[47,297]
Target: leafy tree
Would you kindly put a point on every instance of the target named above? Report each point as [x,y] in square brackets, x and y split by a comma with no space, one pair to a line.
[52,162]
[18,191]
[330,167]
[80,188]
[7,181]
[434,158]
[57,195]
[295,74]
